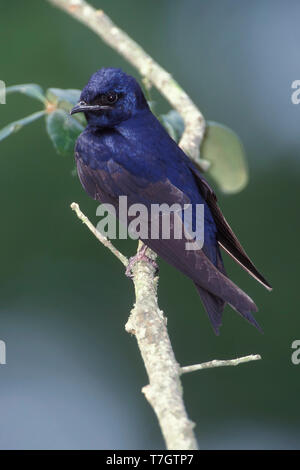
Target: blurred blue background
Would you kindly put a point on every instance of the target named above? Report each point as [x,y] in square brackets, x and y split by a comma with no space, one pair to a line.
[73,375]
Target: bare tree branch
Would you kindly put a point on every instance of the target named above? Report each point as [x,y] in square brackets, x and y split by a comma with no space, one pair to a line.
[148,324]
[107,243]
[164,392]
[218,363]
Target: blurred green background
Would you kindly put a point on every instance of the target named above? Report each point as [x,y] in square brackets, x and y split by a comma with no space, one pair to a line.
[73,375]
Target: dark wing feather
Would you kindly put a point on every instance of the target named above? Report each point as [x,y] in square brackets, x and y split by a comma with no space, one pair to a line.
[214,307]
[226,237]
[214,287]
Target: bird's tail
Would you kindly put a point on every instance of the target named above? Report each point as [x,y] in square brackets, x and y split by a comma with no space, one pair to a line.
[239,301]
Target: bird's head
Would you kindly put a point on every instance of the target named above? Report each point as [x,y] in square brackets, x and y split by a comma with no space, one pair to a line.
[110,97]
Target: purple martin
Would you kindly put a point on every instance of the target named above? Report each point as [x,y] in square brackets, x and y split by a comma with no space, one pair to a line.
[124,150]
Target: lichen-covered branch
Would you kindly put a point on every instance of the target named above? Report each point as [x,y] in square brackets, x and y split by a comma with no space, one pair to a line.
[164,392]
[147,323]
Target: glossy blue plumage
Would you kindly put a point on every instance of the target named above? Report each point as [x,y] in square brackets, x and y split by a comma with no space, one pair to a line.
[157,158]
[124,150]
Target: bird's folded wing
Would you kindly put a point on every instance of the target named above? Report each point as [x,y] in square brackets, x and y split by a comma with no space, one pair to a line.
[193,263]
[225,235]
[107,185]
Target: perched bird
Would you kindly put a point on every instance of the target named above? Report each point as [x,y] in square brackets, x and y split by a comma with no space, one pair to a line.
[124,150]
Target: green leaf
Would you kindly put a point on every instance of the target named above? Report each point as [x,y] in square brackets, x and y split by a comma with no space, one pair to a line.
[173,123]
[29,89]
[152,106]
[63,131]
[17,125]
[59,95]
[224,150]
[66,99]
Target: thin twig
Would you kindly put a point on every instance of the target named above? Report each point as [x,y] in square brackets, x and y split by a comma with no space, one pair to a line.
[107,243]
[218,363]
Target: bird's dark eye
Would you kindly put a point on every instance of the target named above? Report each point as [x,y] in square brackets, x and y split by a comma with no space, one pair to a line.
[111,97]
[106,99]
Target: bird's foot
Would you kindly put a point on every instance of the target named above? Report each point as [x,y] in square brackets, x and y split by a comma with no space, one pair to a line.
[140,256]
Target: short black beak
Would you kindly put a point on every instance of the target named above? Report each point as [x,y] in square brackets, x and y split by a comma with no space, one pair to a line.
[83,107]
